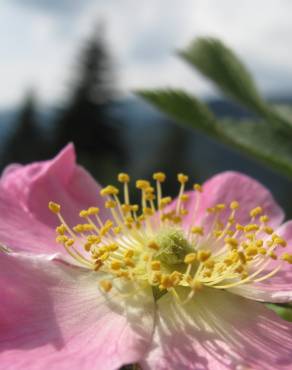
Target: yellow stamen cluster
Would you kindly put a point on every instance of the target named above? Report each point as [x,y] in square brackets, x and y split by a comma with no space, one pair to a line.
[153,244]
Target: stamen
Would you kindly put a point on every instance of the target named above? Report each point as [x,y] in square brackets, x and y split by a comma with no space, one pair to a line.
[148,244]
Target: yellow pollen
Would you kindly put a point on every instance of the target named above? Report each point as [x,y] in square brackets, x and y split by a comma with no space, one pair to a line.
[287,257]
[197,230]
[255,211]
[159,176]
[116,265]
[268,230]
[147,243]
[190,258]
[129,253]
[198,188]
[155,265]
[54,207]
[109,190]
[142,184]
[106,285]
[264,219]
[182,178]
[123,177]
[153,245]
[204,255]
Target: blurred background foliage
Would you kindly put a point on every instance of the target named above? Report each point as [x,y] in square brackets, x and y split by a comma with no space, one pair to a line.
[168,130]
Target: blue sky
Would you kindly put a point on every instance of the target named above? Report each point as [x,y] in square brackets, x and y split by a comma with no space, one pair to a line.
[40,39]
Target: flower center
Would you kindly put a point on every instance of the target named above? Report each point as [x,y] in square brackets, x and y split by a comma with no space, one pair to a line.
[165,245]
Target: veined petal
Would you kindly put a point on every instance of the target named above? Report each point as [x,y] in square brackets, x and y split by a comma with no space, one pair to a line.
[26,191]
[232,186]
[277,289]
[218,330]
[53,315]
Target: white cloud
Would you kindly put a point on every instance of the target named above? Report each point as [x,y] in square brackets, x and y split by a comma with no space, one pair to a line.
[39,47]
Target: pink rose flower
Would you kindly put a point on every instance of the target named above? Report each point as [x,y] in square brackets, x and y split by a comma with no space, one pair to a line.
[169,284]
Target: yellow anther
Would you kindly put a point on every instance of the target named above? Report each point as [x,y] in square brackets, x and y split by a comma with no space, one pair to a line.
[145,258]
[104,256]
[176,219]
[155,265]
[175,277]
[183,212]
[190,258]
[93,211]
[87,246]
[196,285]
[129,262]
[129,253]
[126,208]
[211,210]
[142,184]
[228,261]
[197,230]
[217,233]
[123,177]
[54,207]
[110,204]
[204,255]
[262,251]
[156,278]
[280,241]
[268,230]
[88,227]
[112,247]
[159,176]
[287,257]
[116,265]
[61,229]
[184,197]
[239,227]
[70,242]
[239,269]
[83,213]
[109,190]
[117,229]
[264,219]
[124,274]
[231,241]
[134,207]
[153,245]
[220,207]
[62,239]
[166,281]
[231,220]
[78,228]
[182,178]
[198,188]
[259,243]
[93,239]
[251,251]
[251,227]
[273,255]
[165,201]
[234,205]
[209,264]
[241,256]
[148,211]
[256,211]
[97,265]
[106,285]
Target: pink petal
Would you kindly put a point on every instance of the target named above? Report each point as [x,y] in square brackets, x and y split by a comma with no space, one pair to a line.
[218,330]
[53,316]
[225,188]
[277,289]
[26,191]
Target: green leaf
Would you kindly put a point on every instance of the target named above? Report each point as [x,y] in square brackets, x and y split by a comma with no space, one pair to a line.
[284,311]
[253,138]
[220,64]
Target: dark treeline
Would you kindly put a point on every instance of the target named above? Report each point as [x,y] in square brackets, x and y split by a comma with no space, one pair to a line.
[86,119]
